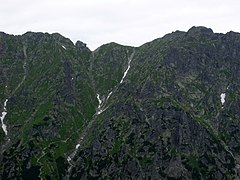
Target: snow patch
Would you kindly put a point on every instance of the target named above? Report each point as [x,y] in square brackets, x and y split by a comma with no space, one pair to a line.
[99,101]
[77,146]
[109,95]
[4,113]
[223,96]
[99,112]
[69,159]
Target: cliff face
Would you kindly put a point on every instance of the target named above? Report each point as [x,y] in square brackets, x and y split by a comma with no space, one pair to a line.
[166,109]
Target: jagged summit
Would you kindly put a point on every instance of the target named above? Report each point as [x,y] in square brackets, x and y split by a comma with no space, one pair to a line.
[80,44]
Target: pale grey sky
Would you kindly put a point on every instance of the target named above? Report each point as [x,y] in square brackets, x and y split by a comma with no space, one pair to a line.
[128,22]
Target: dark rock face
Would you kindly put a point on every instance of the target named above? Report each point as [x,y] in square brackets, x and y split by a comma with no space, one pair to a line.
[175,115]
[81,45]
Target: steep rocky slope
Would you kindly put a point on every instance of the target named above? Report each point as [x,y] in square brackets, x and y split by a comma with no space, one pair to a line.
[166,109]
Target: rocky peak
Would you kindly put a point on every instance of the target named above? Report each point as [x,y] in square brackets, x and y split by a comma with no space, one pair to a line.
[81,45]
[199,30]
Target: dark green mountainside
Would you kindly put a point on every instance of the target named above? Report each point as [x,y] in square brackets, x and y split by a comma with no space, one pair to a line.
[168,109]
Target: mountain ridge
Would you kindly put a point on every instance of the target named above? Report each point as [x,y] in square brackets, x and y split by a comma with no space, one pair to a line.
[165,109]
[171,34]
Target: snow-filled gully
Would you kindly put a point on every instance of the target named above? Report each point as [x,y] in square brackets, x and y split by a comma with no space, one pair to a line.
[100,109]
[101,102]
[128,67]
[4,113]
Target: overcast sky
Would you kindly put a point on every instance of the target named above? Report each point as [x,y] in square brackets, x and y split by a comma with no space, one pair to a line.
[128,22]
